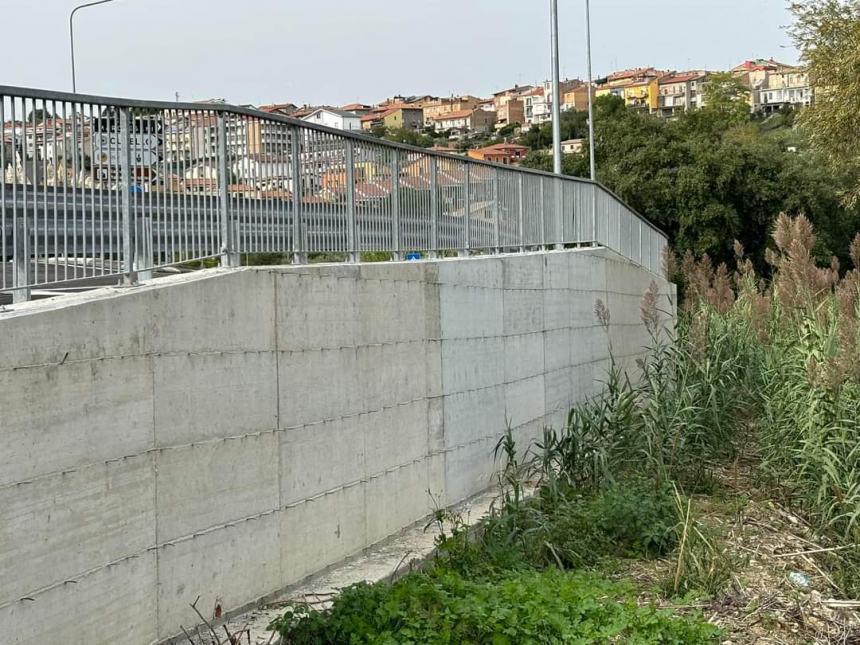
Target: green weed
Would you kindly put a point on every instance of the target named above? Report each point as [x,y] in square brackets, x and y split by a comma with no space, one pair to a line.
[520,608]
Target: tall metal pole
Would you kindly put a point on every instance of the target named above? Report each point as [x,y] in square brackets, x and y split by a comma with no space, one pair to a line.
[556,99]
[590,91]
[72,34]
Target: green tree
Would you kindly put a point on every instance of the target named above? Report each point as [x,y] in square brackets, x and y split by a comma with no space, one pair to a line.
[827,32]
[408,136]
[713,175]
[726,104]
[40,115]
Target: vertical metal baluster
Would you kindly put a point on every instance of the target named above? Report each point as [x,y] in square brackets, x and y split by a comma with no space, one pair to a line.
[395,204]
[350,202]
[559,211]
[112,124]
[20,254]
[228,247]
[521,212]
[128,228]
[434,206]
[299,256]
[542,214]
[467,209]
[36,188]
[93,220]
[175,186]
[194,191]
[76,153]
[3,256]
[497,212]
[44,188]
[270,198]
[54,116]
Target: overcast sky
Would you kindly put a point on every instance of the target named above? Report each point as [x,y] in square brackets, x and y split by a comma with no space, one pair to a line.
[339,51]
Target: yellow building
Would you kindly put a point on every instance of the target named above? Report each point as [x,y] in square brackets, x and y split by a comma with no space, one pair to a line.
[643,95]
[638,87]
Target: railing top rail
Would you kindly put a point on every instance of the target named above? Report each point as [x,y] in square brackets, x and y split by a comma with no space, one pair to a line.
[51,95]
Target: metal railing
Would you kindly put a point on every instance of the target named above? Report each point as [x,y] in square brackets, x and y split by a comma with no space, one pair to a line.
[94,186]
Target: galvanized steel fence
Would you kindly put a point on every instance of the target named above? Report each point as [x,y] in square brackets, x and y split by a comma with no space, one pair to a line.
[95,186]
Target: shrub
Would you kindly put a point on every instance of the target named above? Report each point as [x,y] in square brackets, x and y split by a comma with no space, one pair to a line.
[566,529]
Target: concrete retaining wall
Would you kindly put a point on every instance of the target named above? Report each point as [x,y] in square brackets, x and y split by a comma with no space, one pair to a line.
[227,433]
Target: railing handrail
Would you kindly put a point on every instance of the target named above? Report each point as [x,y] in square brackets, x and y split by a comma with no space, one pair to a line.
[226,108]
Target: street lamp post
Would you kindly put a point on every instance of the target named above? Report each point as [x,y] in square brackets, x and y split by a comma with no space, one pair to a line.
[590,91]
[556,99]
[72,34]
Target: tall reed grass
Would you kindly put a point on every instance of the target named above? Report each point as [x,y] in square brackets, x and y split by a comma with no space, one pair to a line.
[795,340]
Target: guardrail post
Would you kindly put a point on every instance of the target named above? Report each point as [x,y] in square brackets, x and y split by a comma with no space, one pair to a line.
[395,205]
[434,207]
[497,213]
[21,256]
[143,252]
[521,213]
[542,215]
[467,210]
[299,247]
[351,237]
[559,212]
[128,227]
[229,256]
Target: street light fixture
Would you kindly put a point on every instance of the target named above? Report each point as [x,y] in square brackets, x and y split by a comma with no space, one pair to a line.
[556,99]
[72,33]
[590,92]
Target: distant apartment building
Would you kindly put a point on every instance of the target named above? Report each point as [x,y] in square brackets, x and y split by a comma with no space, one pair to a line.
[774,85]
[248,136]
[510,106]
[503,153]
[334,118]
[190,136]
[534,104]
[410,118]
[512,112]
[575,99]
[465,121]
[393,116]
[680,92]
[639,88]
[444,106]
[538,102]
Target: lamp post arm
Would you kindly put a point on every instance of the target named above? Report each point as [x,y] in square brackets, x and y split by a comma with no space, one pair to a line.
[72,33]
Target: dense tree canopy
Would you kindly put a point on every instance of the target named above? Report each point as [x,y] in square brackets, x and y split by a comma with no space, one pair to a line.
[827,32]
[714,175]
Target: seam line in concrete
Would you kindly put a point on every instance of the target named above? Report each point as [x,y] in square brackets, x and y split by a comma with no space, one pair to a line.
[261,433]
[191,536]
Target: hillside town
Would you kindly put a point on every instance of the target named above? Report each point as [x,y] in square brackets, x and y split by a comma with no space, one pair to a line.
[176,151]
[772,86]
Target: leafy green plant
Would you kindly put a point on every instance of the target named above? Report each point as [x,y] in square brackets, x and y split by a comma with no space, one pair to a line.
[530,607]
[566,529]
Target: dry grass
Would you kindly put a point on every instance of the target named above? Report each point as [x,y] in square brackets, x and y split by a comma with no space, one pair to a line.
[769,542]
